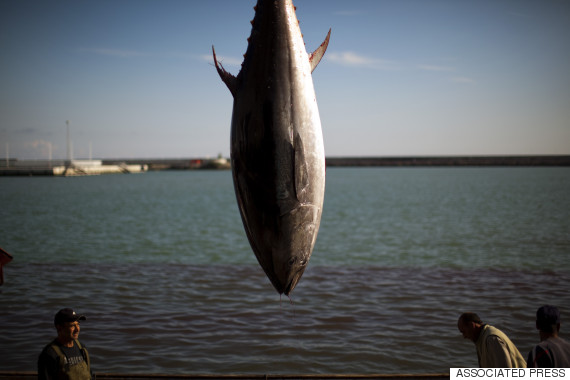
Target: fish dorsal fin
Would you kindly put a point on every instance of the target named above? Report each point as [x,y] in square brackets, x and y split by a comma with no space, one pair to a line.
[315,57]
[227,78]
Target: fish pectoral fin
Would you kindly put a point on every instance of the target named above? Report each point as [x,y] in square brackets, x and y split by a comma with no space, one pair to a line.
[227,78]
[301,172]
[315,57]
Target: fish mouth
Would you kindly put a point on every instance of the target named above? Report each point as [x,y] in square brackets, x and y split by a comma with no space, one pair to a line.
[285,284]
[289,288]
[294,278]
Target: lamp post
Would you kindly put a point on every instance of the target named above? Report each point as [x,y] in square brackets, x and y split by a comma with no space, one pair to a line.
[68,144]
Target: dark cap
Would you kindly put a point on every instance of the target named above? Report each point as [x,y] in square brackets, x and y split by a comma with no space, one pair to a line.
[470,317]
[67,315]
[547,316]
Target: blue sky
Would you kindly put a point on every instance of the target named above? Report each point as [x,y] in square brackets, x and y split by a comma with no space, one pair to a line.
[400,77]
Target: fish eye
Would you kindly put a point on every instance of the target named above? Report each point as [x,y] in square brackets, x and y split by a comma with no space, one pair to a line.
[292,261]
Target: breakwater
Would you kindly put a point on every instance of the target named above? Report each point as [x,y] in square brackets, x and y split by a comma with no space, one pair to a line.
[33,168]
[542,160]
[451,161]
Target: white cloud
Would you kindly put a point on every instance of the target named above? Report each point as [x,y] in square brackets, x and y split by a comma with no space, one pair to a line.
[435,68]
[39,149]
[225,61]
[348,58]
[38,143]
[114,52]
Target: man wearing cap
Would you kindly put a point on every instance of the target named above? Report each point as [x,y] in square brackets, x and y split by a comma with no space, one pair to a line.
[552,351]
[65,358]
[494,348]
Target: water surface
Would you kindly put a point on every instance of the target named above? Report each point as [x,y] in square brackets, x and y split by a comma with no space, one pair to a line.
[160,264]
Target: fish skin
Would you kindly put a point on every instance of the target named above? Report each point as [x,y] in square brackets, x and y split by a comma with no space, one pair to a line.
[277,151]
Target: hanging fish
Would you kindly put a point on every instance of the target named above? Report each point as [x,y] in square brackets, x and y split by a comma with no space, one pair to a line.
[277,151]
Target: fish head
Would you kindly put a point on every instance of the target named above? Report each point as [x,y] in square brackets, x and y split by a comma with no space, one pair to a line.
[292,253]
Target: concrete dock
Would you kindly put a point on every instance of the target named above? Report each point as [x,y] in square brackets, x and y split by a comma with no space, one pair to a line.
[68,168]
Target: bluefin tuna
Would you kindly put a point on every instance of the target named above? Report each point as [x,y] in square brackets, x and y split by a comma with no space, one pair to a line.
[276,147]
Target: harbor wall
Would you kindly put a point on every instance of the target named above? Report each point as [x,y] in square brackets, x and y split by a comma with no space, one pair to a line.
[451,161]
[84,167]
[543,160]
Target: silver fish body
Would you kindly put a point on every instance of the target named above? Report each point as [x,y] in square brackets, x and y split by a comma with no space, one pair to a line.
[277,151]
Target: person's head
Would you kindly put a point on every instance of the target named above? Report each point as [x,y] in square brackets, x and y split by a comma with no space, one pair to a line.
[548,320]
[469,324]
[66,322]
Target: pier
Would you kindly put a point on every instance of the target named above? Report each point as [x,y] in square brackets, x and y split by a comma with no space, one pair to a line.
[68,168]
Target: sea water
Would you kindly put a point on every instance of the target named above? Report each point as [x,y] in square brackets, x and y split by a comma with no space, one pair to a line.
[160,264]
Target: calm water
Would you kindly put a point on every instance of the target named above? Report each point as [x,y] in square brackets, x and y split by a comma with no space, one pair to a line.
[160,264]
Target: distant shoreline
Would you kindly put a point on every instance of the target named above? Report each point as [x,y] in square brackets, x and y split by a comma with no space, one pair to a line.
[451,161]
[365,161]
[44,167]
